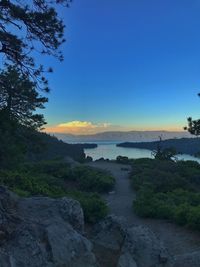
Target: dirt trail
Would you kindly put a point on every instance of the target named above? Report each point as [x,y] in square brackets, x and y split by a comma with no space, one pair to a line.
[178,239]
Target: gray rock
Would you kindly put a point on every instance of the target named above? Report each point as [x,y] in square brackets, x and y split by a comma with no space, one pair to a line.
[42,232]
[110,233]
[68,247]
[126,260]
[44,209]
[145,248]
[5,260]
[137,245]
[188,260]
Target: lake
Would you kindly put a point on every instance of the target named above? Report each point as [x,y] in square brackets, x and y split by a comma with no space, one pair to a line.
[110,151]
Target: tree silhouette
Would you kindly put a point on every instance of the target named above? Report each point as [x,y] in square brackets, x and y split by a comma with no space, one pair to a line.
[29,26]
[193,126]
[164,153]
[19,99]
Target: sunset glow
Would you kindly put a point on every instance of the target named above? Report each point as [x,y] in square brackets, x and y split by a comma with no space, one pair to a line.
[86,127]
[126,73]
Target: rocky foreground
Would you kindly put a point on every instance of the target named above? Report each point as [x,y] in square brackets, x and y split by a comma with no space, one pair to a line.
[45,232]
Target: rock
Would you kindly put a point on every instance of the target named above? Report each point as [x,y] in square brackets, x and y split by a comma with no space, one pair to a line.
[42,232]
[136,246]
[69,248]
[188,260]
[43,209]
[5,260]
[71,212]
[110,233]
[126,260]
[8,200]
[145,248]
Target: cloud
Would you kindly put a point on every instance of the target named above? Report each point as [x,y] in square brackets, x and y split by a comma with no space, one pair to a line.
[79,127]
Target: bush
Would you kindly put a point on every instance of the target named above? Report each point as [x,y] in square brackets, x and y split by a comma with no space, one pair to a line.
[56,168]
[92,180]
[194,218]
[122,160]
[181,213]
[94,207]
[150,205]
[32,184]
[49,179]
[168,190]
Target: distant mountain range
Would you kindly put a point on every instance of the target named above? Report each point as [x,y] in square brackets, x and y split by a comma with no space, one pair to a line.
[134,136]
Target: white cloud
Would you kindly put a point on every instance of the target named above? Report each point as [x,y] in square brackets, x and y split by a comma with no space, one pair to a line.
[79,127]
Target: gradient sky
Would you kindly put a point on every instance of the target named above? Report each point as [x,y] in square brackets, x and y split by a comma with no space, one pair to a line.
[129,65]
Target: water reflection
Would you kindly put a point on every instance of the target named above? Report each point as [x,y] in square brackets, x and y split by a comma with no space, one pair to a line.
[111,151]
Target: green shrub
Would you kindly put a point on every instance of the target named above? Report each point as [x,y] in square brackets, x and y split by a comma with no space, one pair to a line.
[168,190]
[56,168]
[94,207]
[181,213]
[194,218]
[50,180]
[92,180]
[149,204]
[122,160]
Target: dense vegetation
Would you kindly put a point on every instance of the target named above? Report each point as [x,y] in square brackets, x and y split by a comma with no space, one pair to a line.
[183,145]
[58,179]
[93,180]
[168,190]
[26,28]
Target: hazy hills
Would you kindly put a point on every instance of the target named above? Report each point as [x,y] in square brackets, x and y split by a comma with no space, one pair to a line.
[134,136]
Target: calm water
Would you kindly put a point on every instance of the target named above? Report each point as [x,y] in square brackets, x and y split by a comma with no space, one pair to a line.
[111,151]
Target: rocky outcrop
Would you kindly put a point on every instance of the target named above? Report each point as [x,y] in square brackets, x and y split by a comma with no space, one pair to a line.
[136,246]
[42,232]
[45,232]
[188,260]
[126,260]
[110,233]
[145,248]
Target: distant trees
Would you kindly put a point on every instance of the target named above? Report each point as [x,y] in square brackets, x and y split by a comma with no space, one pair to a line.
[30,26]
[193,125]
[164,154]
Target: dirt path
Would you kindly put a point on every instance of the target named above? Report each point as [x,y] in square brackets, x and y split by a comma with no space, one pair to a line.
[178,239]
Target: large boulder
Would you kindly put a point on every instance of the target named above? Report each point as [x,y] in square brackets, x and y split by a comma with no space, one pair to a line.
[42,232]
[188,260]
[135,246]
[44,209]
[110,232]
[126,260]
[145,248]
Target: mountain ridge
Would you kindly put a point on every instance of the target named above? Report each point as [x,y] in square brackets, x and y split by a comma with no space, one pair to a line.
[123,136]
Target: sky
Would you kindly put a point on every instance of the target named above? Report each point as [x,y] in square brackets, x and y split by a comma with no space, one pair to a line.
[129,65]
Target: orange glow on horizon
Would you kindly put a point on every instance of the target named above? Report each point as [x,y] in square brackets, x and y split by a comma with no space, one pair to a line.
[86,128]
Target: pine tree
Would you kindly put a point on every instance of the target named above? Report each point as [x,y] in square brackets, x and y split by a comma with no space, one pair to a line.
[193,126]
[30,26]
[19,99]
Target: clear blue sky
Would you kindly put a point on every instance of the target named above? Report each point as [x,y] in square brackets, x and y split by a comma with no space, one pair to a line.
[134,64]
